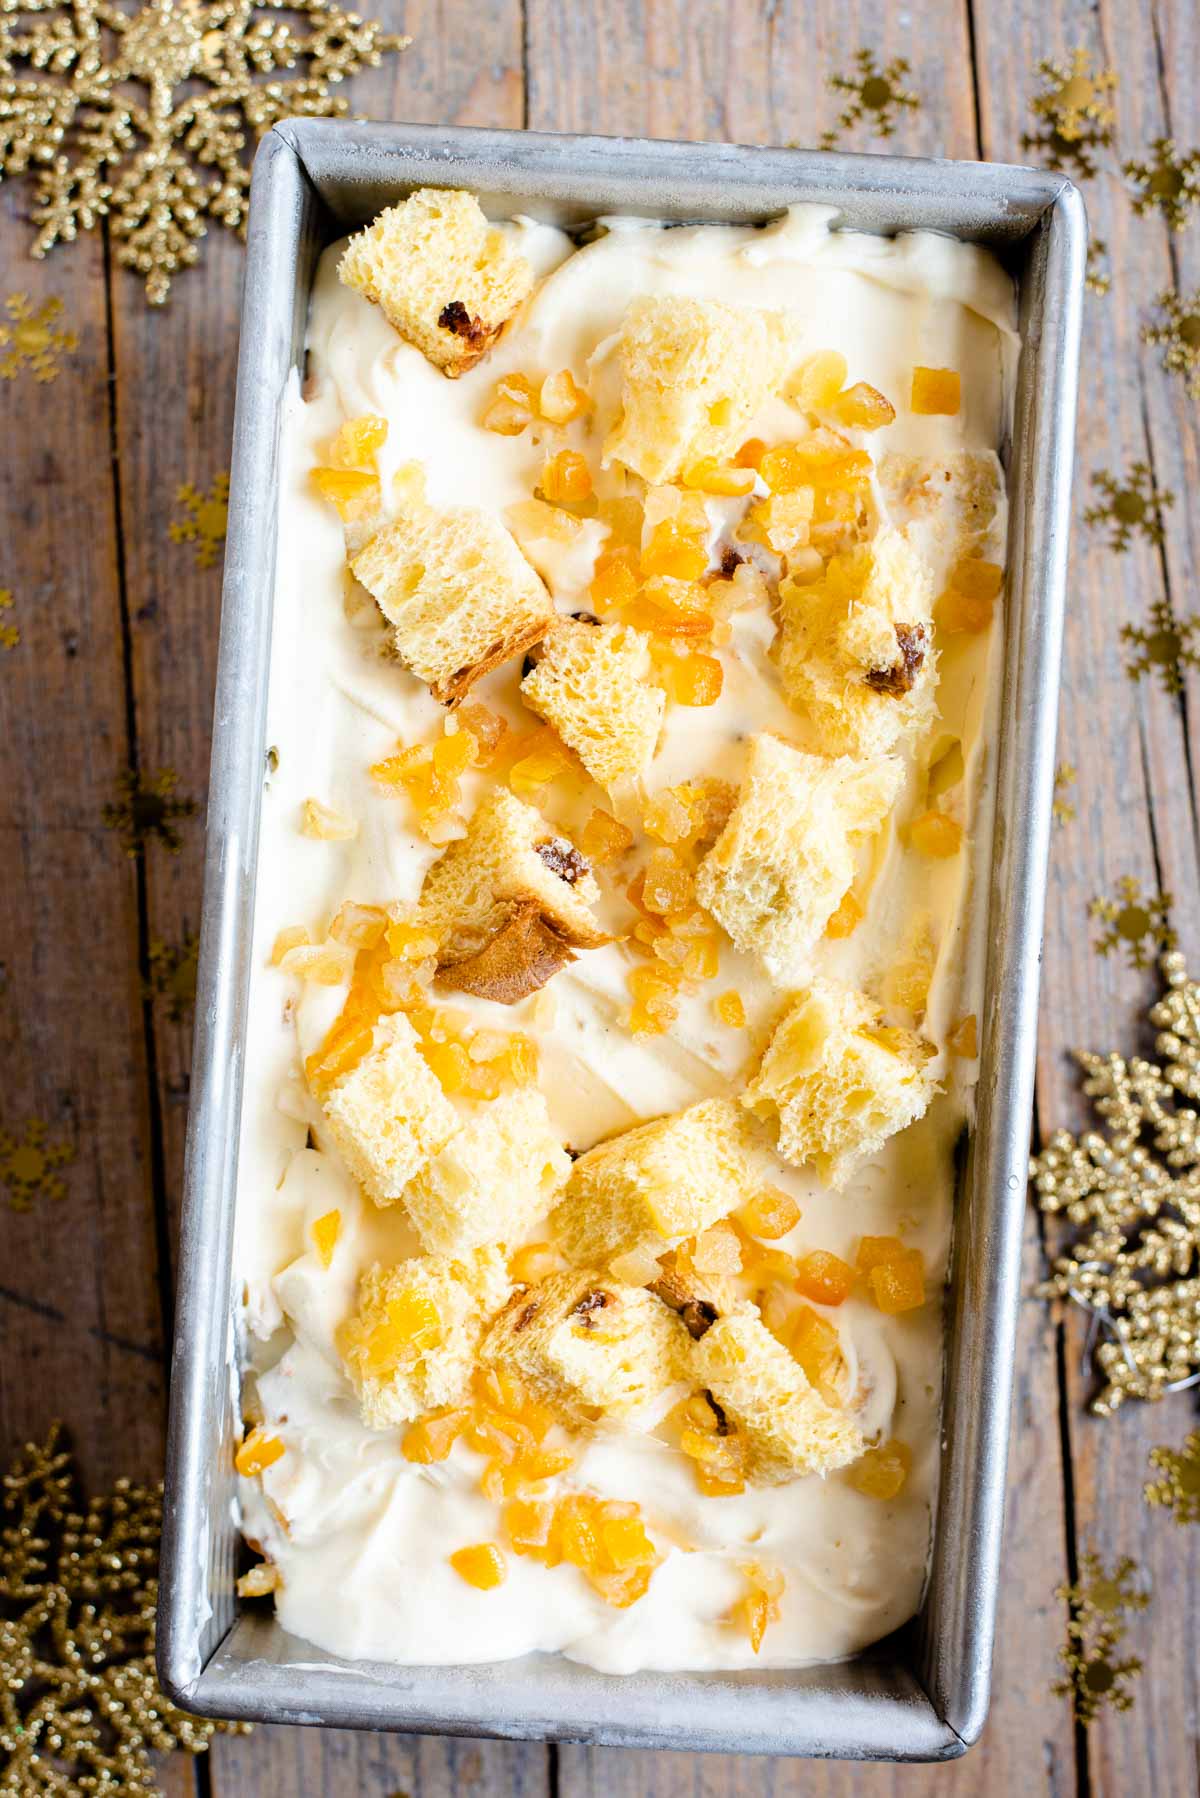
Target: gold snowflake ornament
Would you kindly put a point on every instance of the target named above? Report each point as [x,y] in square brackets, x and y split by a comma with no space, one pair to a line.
[1139,921]
[1133,1194]
[1178,1490]
[1134,503]
[1075,117]
[32,339]
[1166,182]
[173,976]
[1096,276]
[145,810]
[80,1708]
[144,116]
[1169,644]
[205,520]
[1096,1607]
[1178,332]
[1064,779]
[876,94]
[10,634]
[29,1165]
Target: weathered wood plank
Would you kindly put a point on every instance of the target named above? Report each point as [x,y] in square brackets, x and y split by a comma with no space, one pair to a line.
[306,1763]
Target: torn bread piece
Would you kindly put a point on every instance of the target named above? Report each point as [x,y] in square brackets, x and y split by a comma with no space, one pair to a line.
[781,866]
[839,1081]
[656,1184]
[493,1180]
[592,683]
[458,593]
[589,1347]
[955,497]
[388,1114]
[789,1429]
[509,902]
[443,277]
[693,373]
[856,649]
[413,1339]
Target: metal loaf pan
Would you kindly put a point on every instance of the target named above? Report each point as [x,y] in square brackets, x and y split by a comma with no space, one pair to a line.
[921,1694]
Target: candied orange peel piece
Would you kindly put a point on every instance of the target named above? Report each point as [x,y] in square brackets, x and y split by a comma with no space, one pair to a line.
[482,1565]
[863,408]
[824,1278]
[936,391]
[963,1039]
[725,479]
[769,1214]
[258,1452]
[325,1232]
[729,1010]
[815,1344]
[935,834]
[604,838]
[818,381]
[882,1472]
[566,478]
[898,1284]
[326,823]
[760,1604]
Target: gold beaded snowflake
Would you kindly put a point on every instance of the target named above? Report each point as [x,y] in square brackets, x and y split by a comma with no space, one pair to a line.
[1178,331]
[1178,1491]
[32,339]
[172,969]
[10,634]
[205,519]
[1063,809]
[147,809]
[1096,276]
[29,1164]
[1140,921]
[1096,1605]
[876,94]
[1166,182]
[80,1707]
[1134,503]
[1074,114]
[1133,1195]
[144,115]
[1170,644]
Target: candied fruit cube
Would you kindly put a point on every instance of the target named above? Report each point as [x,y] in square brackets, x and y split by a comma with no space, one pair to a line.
[614,583]
[936,390]
[818,381]
[759,1605]
[292,936]
[877,1251]
[603,838]
[482,1565]
[899,1283]
[566,477]
[535,1262]
[695,680]
[817,1347]
[723,478]
[322,821]
[935,834]
[667,886]
[358,926]
[561,398]
[451,1063]
[512,406]
[325,964]
[782,521]
[348,489]
[770,1214]
[847,918]
[672,550]
[454,754]
[410,942]
[729,1009]
[751,453]
[258,1581]
[325,1231]
[487,728]
[824,1278]
[882,1472]
[960,614]
[714,1251]
[358,442]
[258,1452]
[964,1037]
[863,408]
[432,1437]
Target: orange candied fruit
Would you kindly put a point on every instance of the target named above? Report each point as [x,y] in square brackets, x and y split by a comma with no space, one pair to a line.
[358,926]
[729,1009]
[935,834]
[348,1039]
[883,1471]
[694,680]
[655,1006]
[724,478]
[561,398]
[358,442]
[818,381]
[770,1214]
[970,598]
[714,1251]
[759,1605]
[349,490]
[824,1278]
[292,936]
[898,1284]
[671,607]
[487,728]
[566,477]
[535,1262]
[604,838]
[512,407]
[675,551]
[614,583]
[863,408]
[719,1452]
[258,1452]
[410,942]
[936,390]
[325,1232]
[815,1344]
[877,1251]
[751,453]
[964,1037]
[667,886]
[432,1437]
[604,1538]
[847,918]
[482,1565]
[542,758]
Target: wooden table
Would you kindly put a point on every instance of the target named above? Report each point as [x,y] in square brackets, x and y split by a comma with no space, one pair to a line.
[115,669]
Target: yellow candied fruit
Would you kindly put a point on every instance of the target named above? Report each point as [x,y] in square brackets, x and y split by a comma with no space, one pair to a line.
[815,1344]
[964,1038]
[258,1452]
[724,478]
[348,489]
[358,926]
[782,521]
[899,1284]
[432,1437]
[762,1263]
[669,607]
[714,1251]
[863,408]
[935,834]
[655,1007]
[561,398]
[566,477]
[535,1262]
[410,942]
[818,381]
[540,758]
[672,550]
[358,442]
[877,1251]
[258,1582]
[751,454]
[512,406]
[936,390]
[614,584]
[325,1232]
[453,755]
[847,918]
[977,579]
[604,838]
[770,1214]
[345,1044]
[720,1458]
[956,614]
[729,1009]
[451,1063]
[292,936]
[906,983]
[322,821]
[824,1278]
[694,680]
[324,964]
[482,1565]
[882,1472]
[411,1324]
[720,412]
[667,886]
[487,728]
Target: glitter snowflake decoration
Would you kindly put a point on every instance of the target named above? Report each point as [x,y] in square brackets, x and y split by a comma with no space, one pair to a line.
[1178,332]
[10,634]
[1178,1490]
[32,339]
[147,809]
[1064,778]
[1133,1195]
[173,976]
[1074,115]
[80,1708]
[1170,644]
[29,1165]
[1096,277]
[876,94]
[1166,182]
[1096,1605]
[1139,921]
[145,116]
[205,520]
[1131,504]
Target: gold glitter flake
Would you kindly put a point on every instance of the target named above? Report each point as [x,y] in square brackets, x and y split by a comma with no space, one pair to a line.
[1170,644]
[1178,1491]
[1166,182]
[173,976]
[1064,779]
[205,520]
[1133,1194]
[80,1706]
[1132,504]
[147,809]
[1096,276]
[1074,115]
[1096,1606]
[29,1164]
[10,634]
[32,339]
[1178,332]
[876,94]
[146,116]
